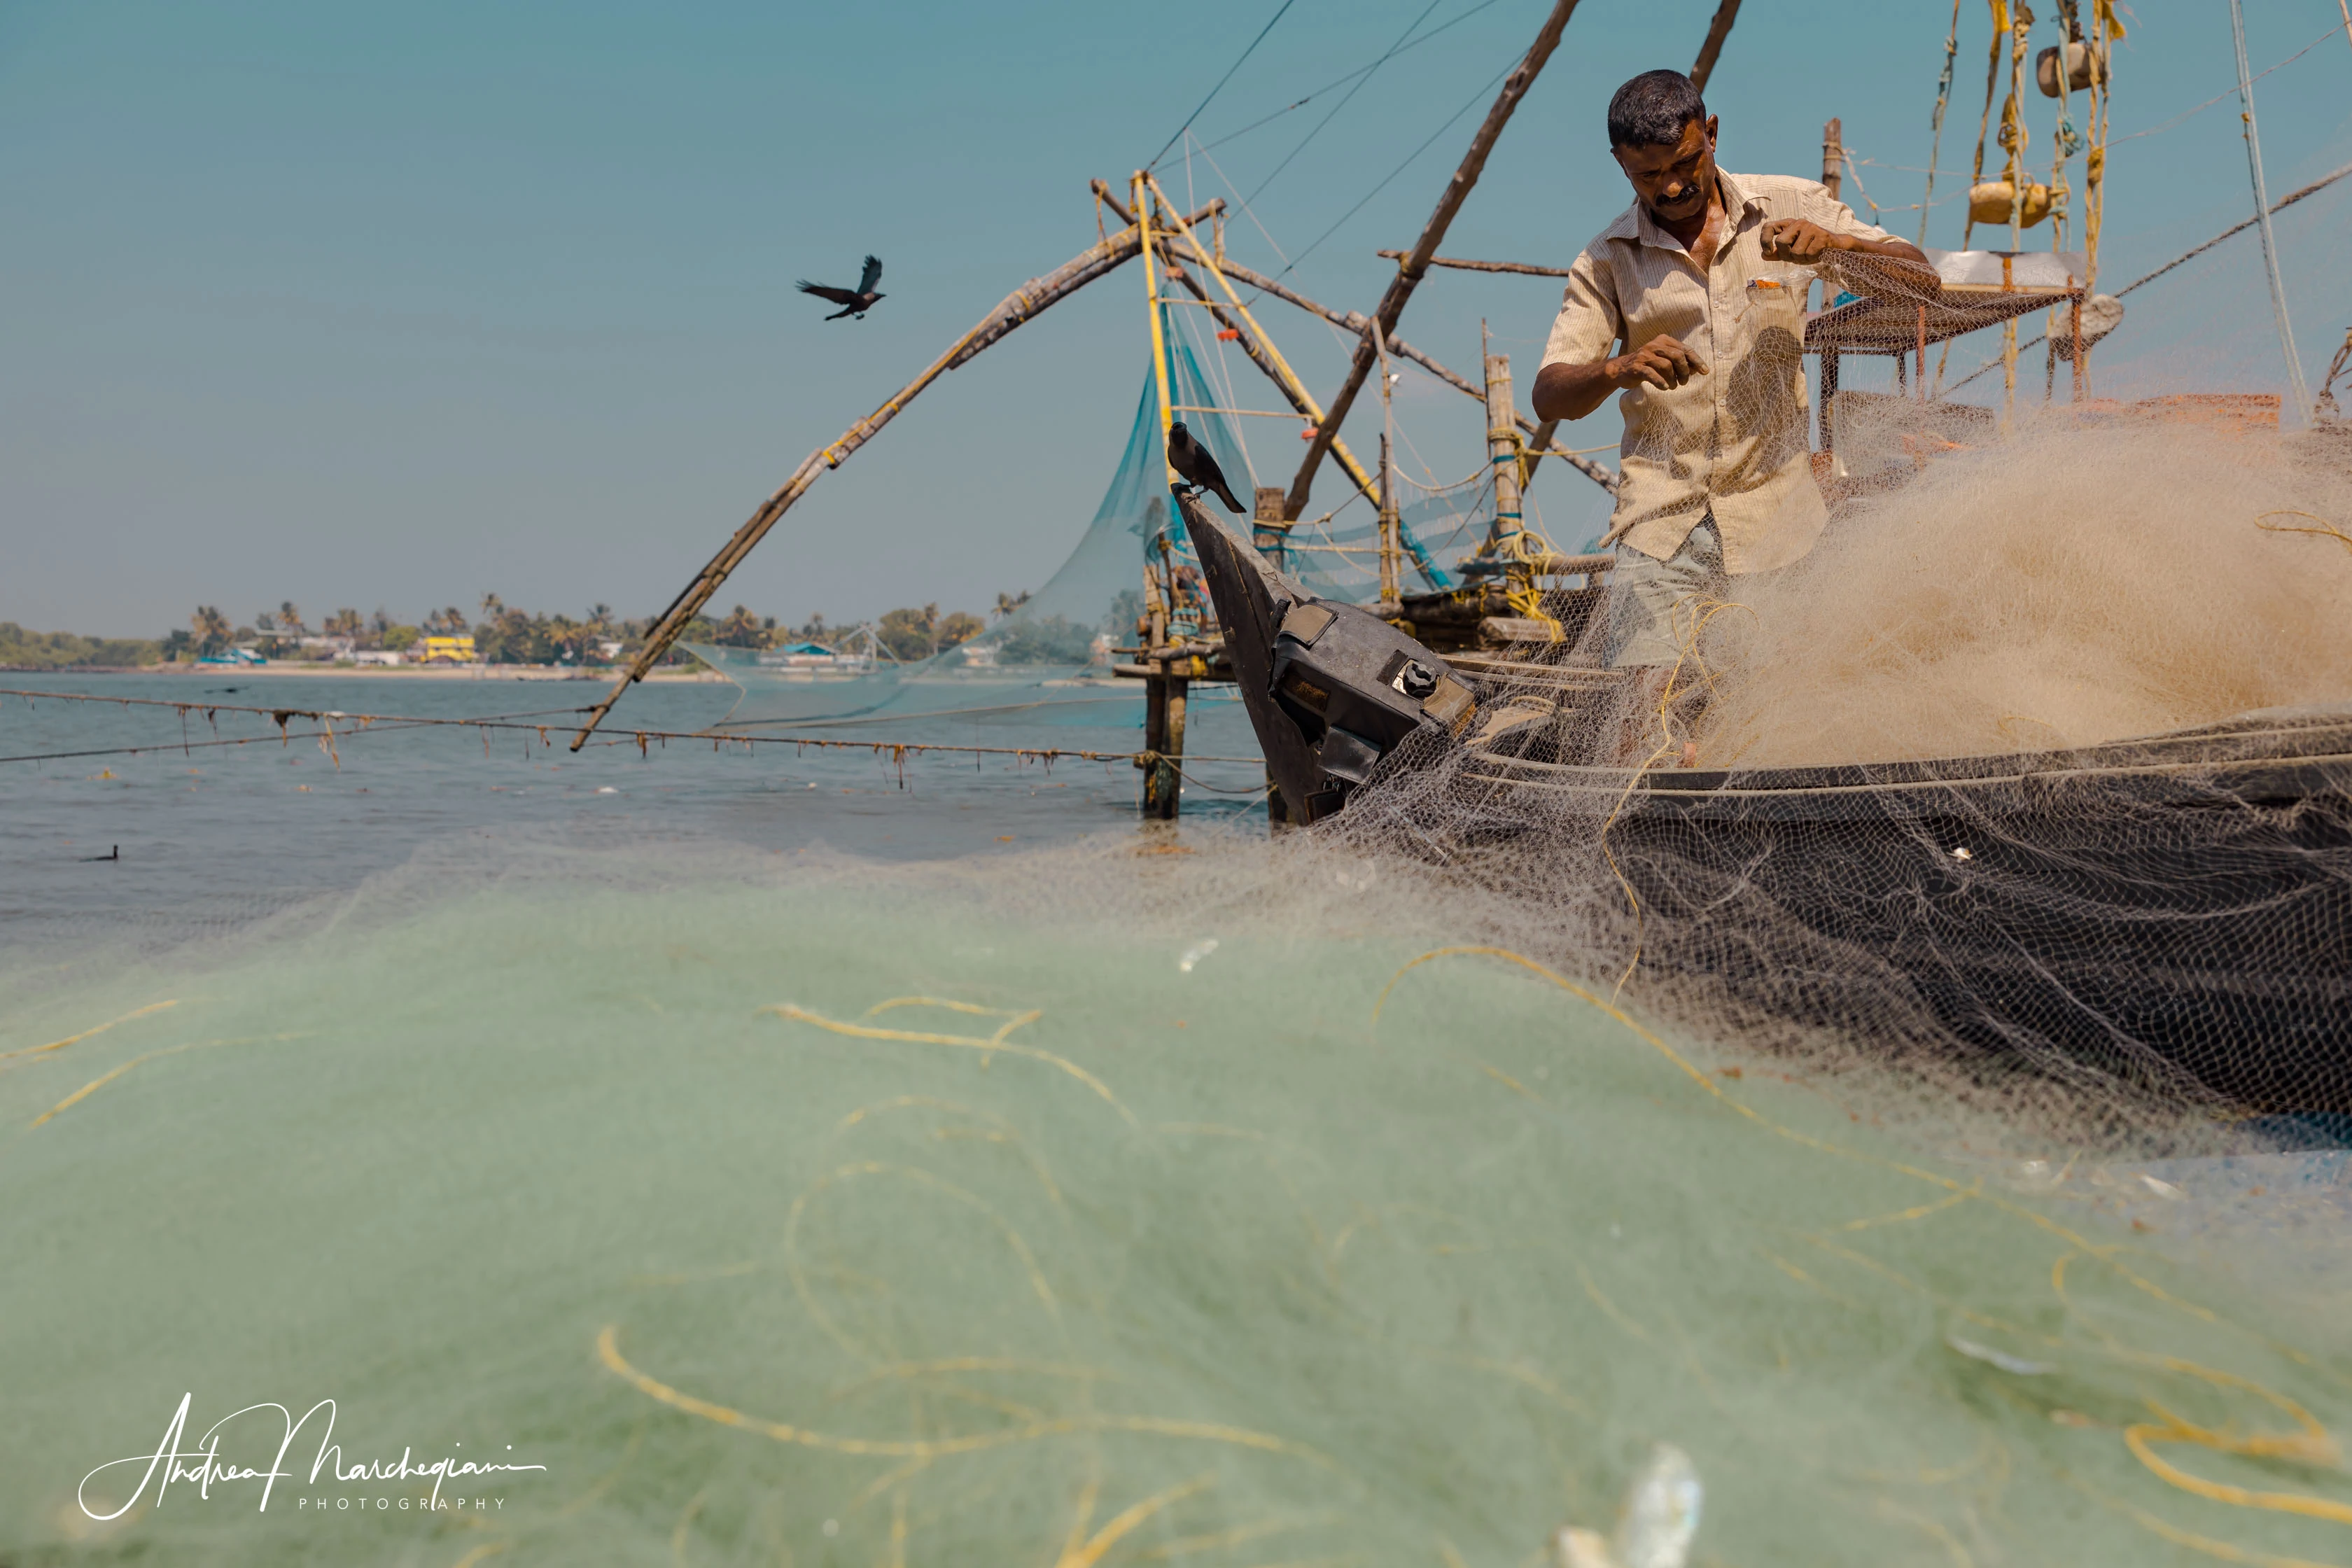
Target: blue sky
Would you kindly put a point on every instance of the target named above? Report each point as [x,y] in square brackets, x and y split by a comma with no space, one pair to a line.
[389,306]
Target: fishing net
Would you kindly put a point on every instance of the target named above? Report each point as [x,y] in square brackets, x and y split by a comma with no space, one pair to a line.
[1104,1206]
[1048,664]
[2041,761]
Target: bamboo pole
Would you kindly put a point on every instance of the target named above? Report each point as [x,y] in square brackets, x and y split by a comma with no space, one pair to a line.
[1357,322]
[2263,220]
[1411,272]
[1717,31]
[1295,391]
[1159,336]
[1293,386]
[1023,304]
[1457,261]
[1392,522]
[1502,449]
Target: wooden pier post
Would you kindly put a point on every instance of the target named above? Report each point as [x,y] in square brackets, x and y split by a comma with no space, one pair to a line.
[1165,692]
[1503,448]
[1164,790]
[1269,530]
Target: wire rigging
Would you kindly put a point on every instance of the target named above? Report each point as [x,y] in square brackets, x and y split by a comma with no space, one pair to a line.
[1246,53]
[1365,76]
[1344,81]
[1468,105]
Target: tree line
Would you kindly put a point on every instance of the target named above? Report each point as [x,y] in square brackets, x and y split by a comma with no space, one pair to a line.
[508,634]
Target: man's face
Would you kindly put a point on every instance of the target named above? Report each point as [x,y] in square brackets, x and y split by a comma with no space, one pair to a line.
[1674,182]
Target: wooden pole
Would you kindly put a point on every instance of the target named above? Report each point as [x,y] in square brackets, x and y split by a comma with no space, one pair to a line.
[1023,304]
[1412,269]
[1392,524]
[1261,353]
[1357,322]
[1503,451]
[1165,692]
[1269,530]
[1159,337]
[1833,156]
[1270,357]
[1717,31]
[1467,265]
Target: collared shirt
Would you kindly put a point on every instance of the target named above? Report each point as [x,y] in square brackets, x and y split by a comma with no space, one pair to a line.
[1734,441]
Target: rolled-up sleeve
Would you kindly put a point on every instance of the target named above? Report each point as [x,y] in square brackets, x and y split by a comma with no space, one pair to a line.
[1589,323]
[1822,208]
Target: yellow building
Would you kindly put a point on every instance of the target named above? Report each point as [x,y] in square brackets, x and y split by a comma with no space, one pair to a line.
[450,650]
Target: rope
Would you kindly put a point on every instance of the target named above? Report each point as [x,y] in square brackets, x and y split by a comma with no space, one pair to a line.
[900,750]
[2285,202]
[2309,1443]
[2263,217]
[1365,76]
[1943,99]
[1246,53]
[1341,81]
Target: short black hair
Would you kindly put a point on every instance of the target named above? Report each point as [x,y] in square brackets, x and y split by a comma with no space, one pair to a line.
[1653,109]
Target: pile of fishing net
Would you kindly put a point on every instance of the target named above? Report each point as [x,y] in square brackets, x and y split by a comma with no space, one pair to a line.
[1158,1201]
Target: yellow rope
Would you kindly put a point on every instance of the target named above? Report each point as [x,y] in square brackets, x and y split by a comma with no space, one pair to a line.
[2325,529]
[608,1351]
[2312,1444]
[94,1085]
[86,1034]
[988,1048]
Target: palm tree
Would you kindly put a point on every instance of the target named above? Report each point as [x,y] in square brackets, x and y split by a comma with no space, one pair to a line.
[289,616]
[1008,603]
[740,629]
[212,628]
[492,607]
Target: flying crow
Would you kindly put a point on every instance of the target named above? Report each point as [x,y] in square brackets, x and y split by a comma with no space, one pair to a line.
[855,301]
[1193,462]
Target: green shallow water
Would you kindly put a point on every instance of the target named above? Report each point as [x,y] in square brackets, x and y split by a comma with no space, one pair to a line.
[1200,1263]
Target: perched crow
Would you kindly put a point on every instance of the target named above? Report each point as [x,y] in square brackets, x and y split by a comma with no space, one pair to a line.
[1198,469]
[856,302]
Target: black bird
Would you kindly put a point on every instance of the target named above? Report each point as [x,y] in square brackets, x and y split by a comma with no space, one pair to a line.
[858,300]
[1198,469]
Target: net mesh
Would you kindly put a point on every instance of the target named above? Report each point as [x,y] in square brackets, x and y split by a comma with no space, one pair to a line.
[1100,1206]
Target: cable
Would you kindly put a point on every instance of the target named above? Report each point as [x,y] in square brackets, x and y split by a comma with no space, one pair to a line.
[1363,77]
[1262,32]
[1342,82]
[2285,202]
[1468,104]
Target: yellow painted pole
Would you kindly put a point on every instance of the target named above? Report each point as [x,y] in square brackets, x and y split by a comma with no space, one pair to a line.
[1355,469]
[1159,337]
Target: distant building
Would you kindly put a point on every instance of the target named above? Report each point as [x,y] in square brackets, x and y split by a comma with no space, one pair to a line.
[811,655]
[376,656]
[447,650]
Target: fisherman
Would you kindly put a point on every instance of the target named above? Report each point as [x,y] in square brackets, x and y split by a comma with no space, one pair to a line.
[1700,282]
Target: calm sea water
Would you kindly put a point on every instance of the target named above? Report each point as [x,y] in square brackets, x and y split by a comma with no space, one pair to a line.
[212,834]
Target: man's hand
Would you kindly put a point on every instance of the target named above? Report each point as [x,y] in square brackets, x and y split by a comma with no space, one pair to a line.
[1663,363]
[1866,265]
[1794,239]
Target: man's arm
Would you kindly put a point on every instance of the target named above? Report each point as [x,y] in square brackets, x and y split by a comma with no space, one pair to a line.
[1571,391]
[1883,265]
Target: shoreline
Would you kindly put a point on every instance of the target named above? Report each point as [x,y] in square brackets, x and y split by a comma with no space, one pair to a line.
[383,672]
